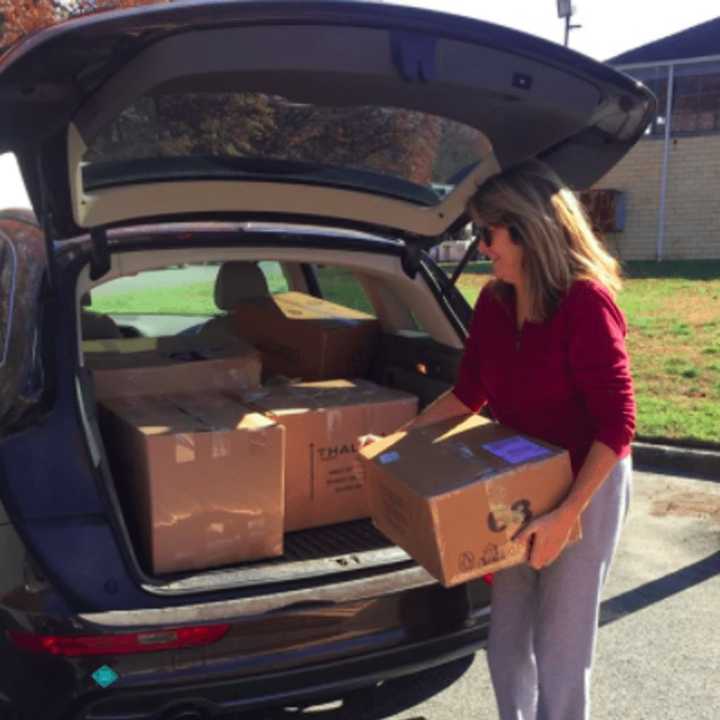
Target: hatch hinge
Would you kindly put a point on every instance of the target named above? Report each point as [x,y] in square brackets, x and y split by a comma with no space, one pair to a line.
[413,54]
[99,253]
[410,260]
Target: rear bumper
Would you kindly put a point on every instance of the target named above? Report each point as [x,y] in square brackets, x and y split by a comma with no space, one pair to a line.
[305,684]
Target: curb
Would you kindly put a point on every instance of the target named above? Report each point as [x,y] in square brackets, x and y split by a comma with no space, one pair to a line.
[672,459]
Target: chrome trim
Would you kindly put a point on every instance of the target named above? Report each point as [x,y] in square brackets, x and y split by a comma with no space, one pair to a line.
[267,573]
[231,610]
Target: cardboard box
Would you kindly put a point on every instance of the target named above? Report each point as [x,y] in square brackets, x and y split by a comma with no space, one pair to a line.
[304,337]
[166,365]
[324,482]
[201,475]
[453,494]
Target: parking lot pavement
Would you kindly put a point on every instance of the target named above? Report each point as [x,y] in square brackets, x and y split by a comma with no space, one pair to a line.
[658,649]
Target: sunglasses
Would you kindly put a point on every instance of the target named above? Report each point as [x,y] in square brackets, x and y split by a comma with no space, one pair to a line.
[485,234]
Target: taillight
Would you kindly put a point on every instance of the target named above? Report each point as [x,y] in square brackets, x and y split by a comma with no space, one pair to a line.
[142,642]
[488,578]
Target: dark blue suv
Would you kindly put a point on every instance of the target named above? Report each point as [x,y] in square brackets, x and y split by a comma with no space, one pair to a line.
[306,136]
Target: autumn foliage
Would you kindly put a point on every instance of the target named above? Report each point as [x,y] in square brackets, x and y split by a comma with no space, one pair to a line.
[21,17]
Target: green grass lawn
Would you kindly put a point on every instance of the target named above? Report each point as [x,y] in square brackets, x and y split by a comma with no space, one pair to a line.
[673,310]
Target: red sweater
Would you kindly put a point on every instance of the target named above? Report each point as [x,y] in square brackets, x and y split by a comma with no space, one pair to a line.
[566,380]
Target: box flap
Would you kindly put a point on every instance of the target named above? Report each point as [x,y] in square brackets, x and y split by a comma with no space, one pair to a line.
[299,306]
[301,397]
[443,457]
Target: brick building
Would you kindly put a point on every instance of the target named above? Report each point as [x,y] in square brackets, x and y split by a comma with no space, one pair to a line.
[671,179]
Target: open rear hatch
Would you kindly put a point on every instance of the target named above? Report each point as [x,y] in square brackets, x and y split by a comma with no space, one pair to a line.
[360,114]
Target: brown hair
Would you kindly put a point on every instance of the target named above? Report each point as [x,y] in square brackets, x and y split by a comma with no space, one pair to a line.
[545,217]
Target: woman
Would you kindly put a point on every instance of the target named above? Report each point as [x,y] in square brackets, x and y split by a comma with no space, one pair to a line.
[546,352]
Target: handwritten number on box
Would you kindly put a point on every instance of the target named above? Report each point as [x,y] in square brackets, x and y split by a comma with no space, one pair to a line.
[519,506]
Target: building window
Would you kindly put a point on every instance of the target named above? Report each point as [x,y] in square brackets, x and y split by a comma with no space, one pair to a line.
[695,101]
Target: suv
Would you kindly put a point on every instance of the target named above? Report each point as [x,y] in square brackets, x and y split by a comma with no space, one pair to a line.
[320,139]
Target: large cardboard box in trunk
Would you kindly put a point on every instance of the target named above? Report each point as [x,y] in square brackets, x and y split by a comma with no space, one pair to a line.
[324,483]
[202,476]
[305,337]
[165,365]
[453,494]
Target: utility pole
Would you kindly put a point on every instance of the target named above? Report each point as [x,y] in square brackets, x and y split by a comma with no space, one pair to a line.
[566,10]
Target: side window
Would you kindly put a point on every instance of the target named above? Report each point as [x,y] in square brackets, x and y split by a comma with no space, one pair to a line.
[340,286]
[177,290]
[476,272]
[274,276]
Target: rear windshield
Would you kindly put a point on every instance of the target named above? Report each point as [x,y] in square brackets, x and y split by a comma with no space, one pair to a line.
[385,150]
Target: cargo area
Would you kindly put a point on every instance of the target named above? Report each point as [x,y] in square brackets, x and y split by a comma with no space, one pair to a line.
[231,445]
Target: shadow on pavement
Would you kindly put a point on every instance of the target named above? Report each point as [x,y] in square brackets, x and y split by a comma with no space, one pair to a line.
[376,703]
[401,695]
[657,590]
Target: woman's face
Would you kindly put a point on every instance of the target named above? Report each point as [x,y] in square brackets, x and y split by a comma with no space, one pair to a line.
[506,256]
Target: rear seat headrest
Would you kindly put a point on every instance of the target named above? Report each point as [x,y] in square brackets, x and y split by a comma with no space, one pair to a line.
[237,282]
[98,327]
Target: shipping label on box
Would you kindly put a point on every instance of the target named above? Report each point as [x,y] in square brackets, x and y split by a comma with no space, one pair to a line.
[454,494]
[324,482]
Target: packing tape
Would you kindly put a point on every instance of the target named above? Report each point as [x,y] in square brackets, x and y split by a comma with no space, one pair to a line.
[258,441]
[463,450]
[184,448]
[220,447]
[333,420]
[186,406]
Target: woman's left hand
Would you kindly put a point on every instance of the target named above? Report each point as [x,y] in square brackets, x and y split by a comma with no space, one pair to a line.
[548,536]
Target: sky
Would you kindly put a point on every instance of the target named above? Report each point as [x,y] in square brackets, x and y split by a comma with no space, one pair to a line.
[609,27]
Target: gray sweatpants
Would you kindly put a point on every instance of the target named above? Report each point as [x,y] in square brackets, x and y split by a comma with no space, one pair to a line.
[544,623]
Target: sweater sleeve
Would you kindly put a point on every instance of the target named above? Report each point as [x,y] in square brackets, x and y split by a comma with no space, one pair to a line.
[600,365]
[468,386]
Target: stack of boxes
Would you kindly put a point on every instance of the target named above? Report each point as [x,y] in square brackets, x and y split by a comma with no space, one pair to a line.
[214,467]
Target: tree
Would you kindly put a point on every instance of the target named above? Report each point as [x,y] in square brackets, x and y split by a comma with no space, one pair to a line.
[18,18]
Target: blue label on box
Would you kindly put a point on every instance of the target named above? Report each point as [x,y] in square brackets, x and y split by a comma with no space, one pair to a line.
[517,450]
[389,457]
